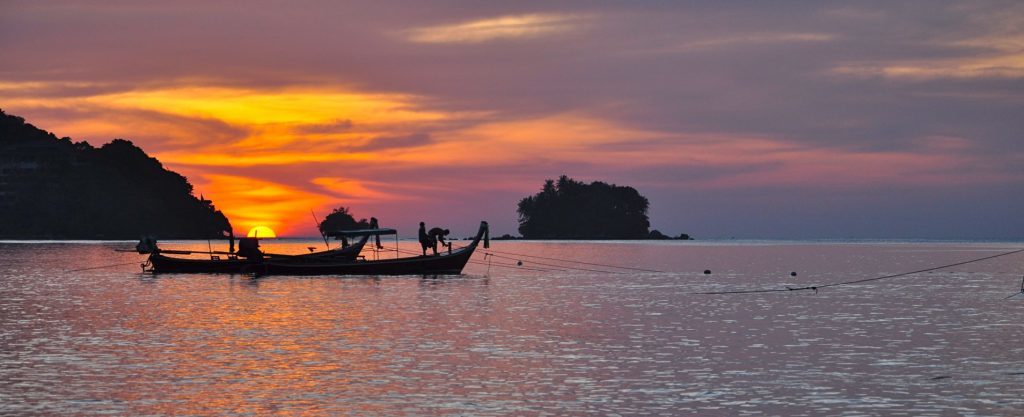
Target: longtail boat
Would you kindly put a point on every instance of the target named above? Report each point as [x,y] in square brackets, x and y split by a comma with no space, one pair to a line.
[242,262]
[443,264]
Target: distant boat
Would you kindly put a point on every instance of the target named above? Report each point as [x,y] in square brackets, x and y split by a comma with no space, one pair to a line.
[159,262]
[450,263]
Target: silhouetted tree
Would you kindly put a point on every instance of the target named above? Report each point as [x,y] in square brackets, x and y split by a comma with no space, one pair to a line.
[53,188]
[571,209]
[341,219]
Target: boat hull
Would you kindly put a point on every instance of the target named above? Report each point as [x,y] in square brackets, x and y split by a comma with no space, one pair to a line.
[446,264]
[166,264]
[160,263]
[315,264]
[420,265]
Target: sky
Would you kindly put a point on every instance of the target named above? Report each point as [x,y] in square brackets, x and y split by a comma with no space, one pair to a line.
[778,119]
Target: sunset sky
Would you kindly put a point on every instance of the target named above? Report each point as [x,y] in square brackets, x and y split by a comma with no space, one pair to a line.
[747,120]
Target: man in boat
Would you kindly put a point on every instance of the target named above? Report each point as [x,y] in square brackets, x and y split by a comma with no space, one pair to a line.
[249,248]
[425,240]
[147,244]
[374,225]
[437,234]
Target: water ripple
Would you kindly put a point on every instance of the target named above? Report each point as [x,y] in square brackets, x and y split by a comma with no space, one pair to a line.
[518,342]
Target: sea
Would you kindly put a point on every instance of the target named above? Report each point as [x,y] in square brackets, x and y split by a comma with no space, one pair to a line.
[529,329]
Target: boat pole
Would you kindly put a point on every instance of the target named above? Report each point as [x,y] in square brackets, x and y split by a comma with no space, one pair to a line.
[318,229]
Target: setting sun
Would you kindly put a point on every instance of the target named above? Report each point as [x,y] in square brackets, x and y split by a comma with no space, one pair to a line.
[261,232]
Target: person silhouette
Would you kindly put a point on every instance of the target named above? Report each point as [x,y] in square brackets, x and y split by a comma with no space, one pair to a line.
[436,235]
[374,225]
[425,240]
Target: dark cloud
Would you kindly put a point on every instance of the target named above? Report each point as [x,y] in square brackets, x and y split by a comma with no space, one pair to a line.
[393,142]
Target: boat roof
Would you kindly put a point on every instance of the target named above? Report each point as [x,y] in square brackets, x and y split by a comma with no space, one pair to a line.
[363,232]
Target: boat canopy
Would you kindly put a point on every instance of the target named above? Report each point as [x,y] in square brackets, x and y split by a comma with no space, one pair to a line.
[363,232]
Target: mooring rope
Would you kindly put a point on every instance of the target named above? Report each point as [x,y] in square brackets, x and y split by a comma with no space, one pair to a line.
[100,267]
[555,268]
[563,267]
[574,261]
[815,288]
[498,254]
[552,267]
[409,252]
[513,267]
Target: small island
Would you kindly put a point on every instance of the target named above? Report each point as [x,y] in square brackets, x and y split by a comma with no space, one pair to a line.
[54,188]
[570,209]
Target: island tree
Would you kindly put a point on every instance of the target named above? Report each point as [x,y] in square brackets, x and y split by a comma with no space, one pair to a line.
[570,209]
[341,219]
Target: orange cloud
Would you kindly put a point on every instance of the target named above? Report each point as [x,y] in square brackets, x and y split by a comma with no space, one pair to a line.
[355,189]
[239,158]
[373,150]
[503,27]
[287,106]
[250,202]
[567,136]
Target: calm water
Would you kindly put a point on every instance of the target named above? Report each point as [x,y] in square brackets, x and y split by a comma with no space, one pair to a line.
[502,340]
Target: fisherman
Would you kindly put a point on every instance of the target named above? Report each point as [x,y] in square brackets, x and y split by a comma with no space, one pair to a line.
[425,240]
[437,234]
[249,248]
[147,244]
[374,225]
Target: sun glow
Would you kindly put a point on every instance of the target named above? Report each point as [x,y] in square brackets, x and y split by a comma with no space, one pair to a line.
[253,202]
[251,107]
[262,232]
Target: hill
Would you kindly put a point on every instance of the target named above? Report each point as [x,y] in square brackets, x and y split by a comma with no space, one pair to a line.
[570,209]
[54,188]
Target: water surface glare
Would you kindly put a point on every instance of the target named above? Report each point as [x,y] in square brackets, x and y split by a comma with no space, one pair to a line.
[510,341]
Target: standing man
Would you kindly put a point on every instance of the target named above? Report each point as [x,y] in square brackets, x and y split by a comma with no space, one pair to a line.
[425,240]
[374,225]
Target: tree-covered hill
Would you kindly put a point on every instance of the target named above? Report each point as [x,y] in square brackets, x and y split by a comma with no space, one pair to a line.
[53,188]
[570,209]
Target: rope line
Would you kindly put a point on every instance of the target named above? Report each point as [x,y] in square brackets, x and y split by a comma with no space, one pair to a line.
[578,262]
[512,267]
[409,252]
[558,266]
[554,268]
[815,288]
[100,267]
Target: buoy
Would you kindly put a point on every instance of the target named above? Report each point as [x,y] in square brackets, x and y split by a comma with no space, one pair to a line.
[792,274]
[519,263]
[707,272]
